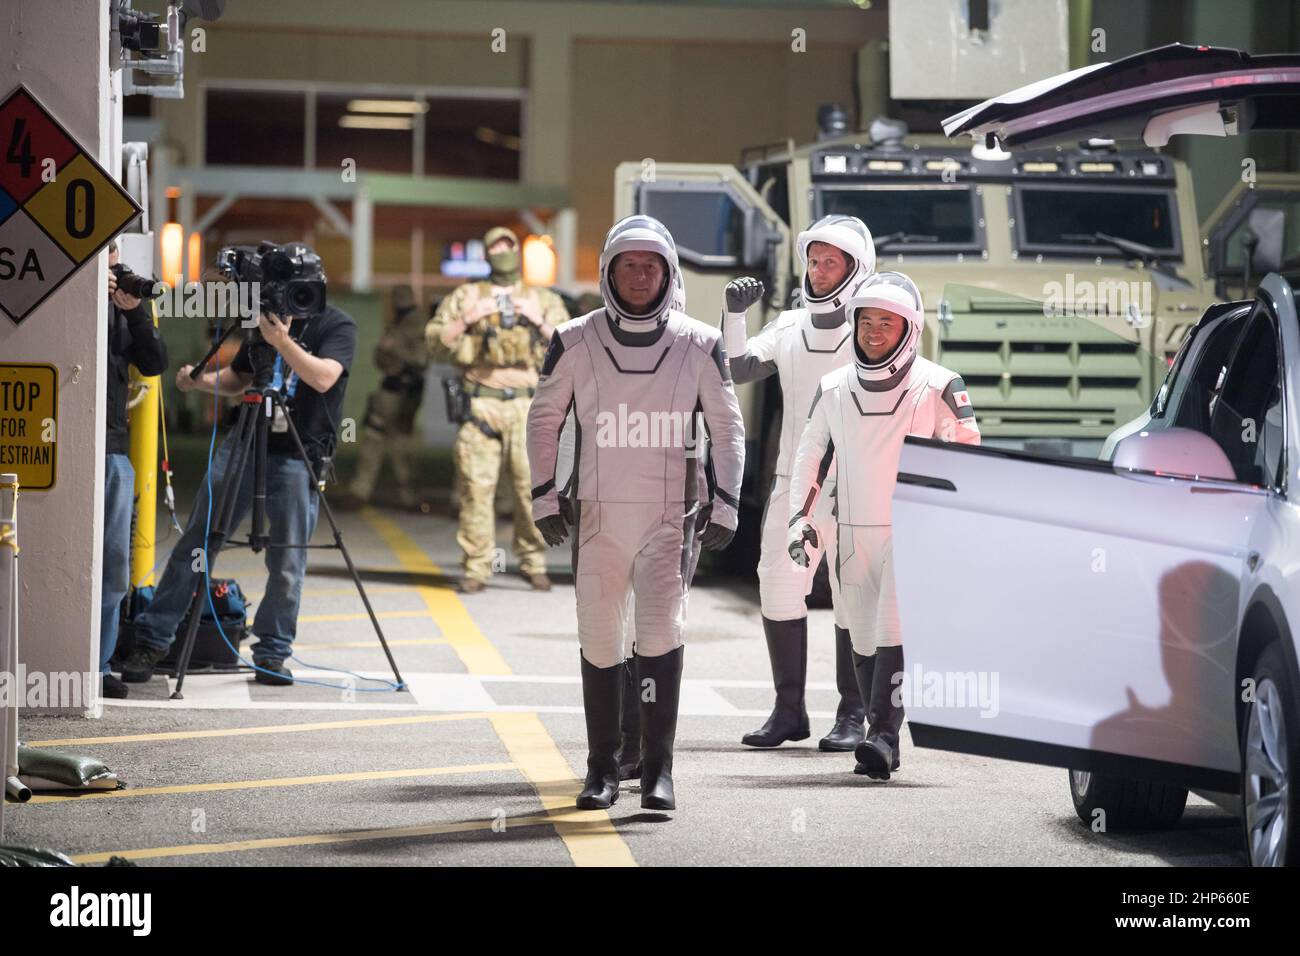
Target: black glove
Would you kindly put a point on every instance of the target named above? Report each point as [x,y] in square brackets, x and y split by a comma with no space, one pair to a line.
[742,293]
[555,528]
[716,537]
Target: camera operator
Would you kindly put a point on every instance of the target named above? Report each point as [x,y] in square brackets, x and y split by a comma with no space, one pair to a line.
[133,339]
[313,356]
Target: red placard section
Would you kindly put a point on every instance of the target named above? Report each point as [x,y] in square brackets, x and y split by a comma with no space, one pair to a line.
[28,138]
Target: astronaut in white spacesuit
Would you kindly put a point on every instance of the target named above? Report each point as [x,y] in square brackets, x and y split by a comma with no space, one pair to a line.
[860,415]
[800,346]
[638,375]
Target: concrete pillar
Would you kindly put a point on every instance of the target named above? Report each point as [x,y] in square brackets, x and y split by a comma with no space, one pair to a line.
[363,235]
[564,230]
[59,50]
[546,117]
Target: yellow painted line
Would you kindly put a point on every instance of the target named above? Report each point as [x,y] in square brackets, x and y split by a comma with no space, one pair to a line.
[406,642]
[312,839]
[588,835]
[273,782]
[334,592]
[474,649]
[261,729]
[358,616]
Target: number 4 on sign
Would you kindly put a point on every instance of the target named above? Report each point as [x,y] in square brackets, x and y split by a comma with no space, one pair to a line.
[20,147]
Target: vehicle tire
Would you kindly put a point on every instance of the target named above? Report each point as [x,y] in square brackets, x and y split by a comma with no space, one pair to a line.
[1127,804]
[1270,753]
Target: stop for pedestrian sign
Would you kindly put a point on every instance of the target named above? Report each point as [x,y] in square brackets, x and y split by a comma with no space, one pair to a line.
[58,207]
[29,413]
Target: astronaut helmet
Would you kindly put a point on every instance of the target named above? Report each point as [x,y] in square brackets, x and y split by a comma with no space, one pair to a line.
[679,293]
[640,234]
[851,236]
[893,292]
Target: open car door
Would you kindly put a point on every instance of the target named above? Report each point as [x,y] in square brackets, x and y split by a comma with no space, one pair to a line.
[1171,90]
[1090,617]
[1090,609]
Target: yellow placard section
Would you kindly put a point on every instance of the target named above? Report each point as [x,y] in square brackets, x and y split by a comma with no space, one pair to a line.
[29,412]
[81,209]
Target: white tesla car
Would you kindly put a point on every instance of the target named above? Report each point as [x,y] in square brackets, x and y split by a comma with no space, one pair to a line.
[1134,614]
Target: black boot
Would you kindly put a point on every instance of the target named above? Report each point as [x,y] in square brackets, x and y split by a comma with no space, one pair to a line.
[629,757]
[787,646]
[848,730]
[878,753]
[601,689]
[659,726]
[864,668]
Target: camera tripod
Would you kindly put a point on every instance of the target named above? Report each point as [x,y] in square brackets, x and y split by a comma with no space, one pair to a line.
[256,413]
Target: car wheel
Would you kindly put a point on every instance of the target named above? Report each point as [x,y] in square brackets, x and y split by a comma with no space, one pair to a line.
[1270,751]
[1126,804]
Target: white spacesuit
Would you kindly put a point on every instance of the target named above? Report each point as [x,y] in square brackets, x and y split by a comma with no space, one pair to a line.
[860,416]
[638,379]
[800,346]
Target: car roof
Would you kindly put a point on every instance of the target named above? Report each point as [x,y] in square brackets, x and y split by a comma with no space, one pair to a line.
[1171,90]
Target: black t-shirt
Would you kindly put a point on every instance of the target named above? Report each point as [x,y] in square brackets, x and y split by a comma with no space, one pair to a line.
[332,334]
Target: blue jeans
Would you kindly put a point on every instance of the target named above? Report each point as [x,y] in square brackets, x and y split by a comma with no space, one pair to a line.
[291,508]
[119,495]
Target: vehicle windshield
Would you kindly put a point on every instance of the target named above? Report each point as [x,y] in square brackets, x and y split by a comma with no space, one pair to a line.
[924,218]
[1067,219]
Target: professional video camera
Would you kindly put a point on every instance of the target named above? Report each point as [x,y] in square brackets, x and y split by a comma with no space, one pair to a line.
[290,277]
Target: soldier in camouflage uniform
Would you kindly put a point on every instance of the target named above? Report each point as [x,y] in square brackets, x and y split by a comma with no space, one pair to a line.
[401,357]
[495,333]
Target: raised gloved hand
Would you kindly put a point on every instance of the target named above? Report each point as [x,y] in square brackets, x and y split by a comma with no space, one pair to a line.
[742,293]
[802,536]
[555,528]
[716,536]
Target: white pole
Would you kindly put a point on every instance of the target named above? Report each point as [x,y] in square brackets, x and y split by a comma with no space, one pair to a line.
[8,632]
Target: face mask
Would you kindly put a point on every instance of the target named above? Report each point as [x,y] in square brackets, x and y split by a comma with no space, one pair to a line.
[505,265]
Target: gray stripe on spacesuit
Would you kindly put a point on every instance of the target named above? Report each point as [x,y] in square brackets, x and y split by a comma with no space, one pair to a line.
[636,371]
[808,347]
[635,339]
[822,470]
[867,414]
[886,384]
[949,396]
[817,397]
[747,368]
[553,353]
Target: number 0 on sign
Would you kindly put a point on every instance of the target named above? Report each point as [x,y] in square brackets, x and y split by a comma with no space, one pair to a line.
[58,207]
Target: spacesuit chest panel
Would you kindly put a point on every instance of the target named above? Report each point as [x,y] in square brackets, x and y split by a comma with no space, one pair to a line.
[868,429]
[635,409]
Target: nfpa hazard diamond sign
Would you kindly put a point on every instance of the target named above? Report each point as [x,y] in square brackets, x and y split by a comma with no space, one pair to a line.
[58,207]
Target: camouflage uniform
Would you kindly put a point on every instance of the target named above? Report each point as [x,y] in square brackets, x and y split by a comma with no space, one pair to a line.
[401,357]
[496,432]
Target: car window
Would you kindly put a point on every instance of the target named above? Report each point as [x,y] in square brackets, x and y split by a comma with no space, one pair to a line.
[1246,413]
[1198,375]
